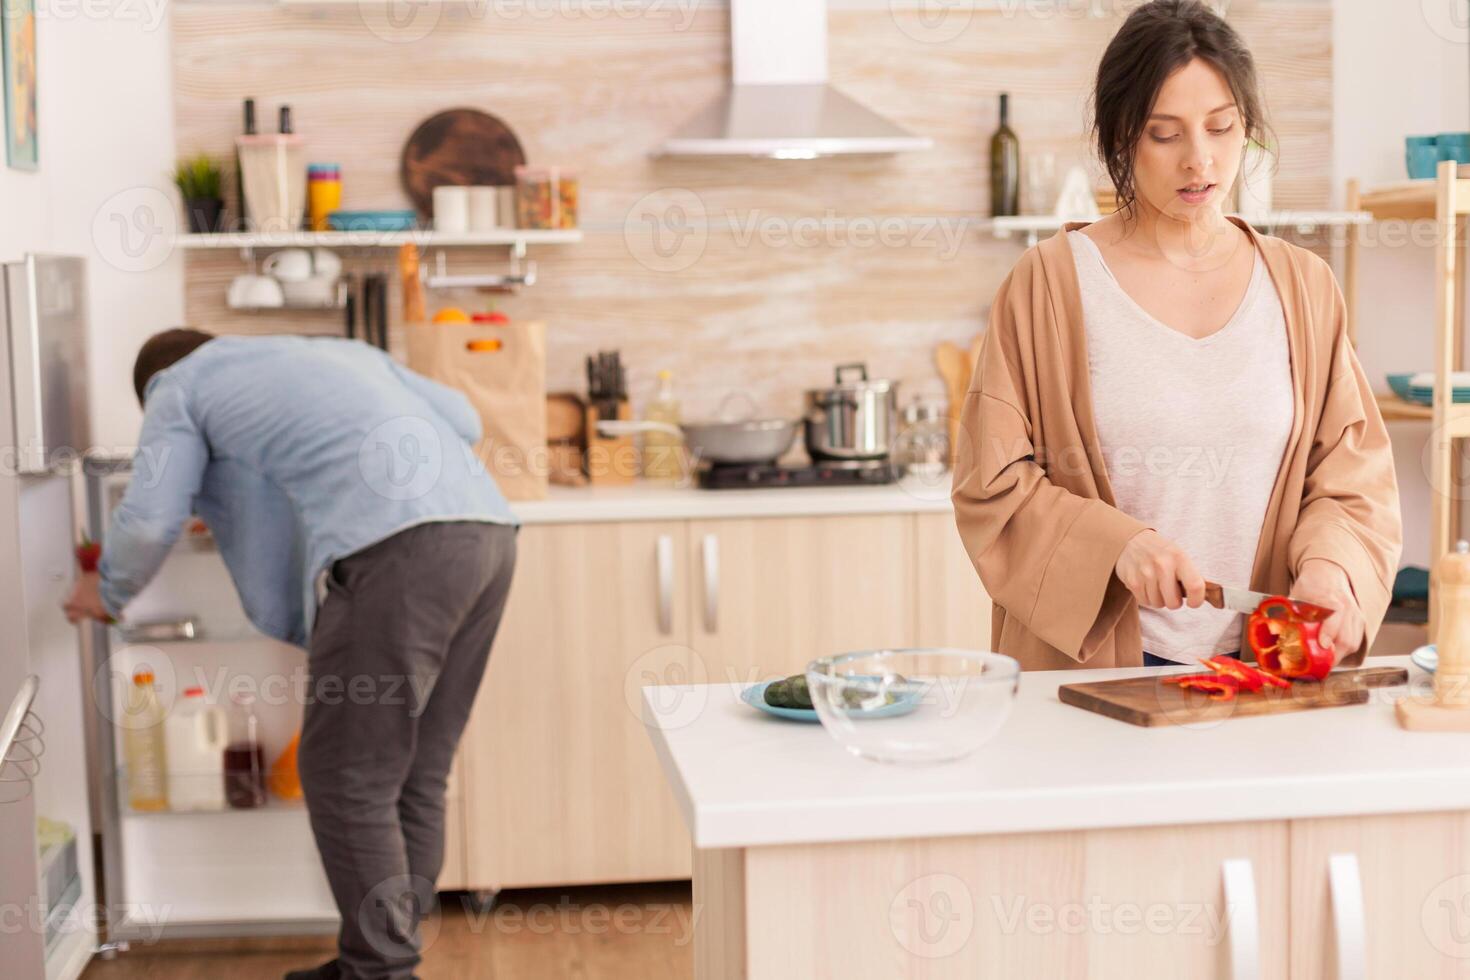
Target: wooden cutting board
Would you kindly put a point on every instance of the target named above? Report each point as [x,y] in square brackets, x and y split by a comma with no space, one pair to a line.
[1149,702]
[458,146]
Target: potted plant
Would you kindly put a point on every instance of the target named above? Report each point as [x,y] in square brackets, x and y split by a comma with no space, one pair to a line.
[199,181]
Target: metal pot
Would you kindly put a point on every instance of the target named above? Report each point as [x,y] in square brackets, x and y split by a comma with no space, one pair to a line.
[758,441]
[852,419]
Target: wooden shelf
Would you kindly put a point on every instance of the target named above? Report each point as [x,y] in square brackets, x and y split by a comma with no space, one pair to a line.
[424,238]
[1407,200]
[1395,409]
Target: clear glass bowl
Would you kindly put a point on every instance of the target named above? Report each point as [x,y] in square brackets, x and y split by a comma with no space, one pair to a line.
[919,705]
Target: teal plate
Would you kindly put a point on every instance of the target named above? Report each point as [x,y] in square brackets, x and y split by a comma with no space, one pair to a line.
[1425,658]
[755,696]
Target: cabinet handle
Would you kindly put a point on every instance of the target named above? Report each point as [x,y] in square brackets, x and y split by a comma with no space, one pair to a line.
[1347,916]
[665,553]
[1244,919]
[711,583]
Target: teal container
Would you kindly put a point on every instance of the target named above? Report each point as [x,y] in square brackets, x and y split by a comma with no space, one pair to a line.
[1453,146]
[1421,154]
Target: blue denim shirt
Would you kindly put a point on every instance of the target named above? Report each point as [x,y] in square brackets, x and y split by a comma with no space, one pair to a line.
[296,452]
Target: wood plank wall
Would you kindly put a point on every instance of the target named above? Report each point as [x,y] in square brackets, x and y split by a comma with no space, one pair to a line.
[774,271]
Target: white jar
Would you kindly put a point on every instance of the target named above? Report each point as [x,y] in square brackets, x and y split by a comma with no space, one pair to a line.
[451,208]
[194,736]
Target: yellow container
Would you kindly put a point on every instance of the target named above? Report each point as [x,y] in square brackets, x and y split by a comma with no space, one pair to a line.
[323,193]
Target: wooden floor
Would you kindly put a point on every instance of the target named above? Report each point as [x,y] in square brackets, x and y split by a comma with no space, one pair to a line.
[622,932]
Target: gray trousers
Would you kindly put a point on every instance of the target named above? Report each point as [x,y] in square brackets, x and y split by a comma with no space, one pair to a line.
[397,653]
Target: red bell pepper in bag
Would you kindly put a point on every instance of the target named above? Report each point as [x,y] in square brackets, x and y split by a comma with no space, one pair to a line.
[1283,637]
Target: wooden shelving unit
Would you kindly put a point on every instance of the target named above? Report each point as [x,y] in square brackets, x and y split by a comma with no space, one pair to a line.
[1446,201]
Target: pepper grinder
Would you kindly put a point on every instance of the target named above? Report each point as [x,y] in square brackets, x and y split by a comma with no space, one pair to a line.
[1450,709]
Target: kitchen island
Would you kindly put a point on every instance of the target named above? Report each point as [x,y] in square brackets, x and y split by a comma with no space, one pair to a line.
[1317,843]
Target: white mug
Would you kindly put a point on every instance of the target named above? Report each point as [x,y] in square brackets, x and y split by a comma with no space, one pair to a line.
[251,291]
[316,291]
[325,264]
[451,208]
[288,265]
[505,206]
[482,208]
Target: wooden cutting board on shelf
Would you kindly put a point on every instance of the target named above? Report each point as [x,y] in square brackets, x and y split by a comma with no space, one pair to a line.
[1150,702]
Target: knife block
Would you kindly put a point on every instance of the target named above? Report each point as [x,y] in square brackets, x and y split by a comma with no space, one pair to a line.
[611,460]
[1450,709]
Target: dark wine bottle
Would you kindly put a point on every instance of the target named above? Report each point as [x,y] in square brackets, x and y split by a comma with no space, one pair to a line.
[240,221]
[1005,166]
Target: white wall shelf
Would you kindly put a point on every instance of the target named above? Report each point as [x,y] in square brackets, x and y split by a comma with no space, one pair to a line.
[424,238]
[1303,222]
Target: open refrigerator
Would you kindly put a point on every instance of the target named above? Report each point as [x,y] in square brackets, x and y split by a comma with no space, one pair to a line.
[47,876]
[80,872]
[228,872]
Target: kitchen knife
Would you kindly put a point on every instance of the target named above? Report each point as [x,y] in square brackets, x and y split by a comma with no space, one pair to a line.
[1246,601]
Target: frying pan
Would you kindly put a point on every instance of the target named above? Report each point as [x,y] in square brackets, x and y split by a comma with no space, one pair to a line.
[755,441]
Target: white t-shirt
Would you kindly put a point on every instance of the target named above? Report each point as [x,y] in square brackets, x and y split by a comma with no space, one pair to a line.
[1192,435]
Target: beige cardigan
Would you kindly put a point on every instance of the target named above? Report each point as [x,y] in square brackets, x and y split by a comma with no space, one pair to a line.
[1034,506]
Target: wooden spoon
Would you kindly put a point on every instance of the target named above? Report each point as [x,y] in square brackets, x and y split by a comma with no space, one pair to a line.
[953,368]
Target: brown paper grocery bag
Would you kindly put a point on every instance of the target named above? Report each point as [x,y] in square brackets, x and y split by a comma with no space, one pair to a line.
[501,368]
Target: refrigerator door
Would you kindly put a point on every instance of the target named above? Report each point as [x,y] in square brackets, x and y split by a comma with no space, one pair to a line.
[46,307]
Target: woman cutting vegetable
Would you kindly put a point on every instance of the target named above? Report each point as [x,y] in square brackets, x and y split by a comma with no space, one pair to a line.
[1166,396]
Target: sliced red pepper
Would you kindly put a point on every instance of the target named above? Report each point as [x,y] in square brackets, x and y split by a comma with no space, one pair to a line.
[1284,640]
[1220,687]
[1249,677]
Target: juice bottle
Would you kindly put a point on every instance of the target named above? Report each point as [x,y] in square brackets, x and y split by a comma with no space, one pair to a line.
[143,744]
[244,757]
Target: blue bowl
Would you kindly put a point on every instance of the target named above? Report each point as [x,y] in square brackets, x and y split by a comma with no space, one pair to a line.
[1399,384]
[1453,146]
[372,220]
[1422,161]
[755,696]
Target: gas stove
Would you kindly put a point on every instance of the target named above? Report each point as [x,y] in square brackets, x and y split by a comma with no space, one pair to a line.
[827,474]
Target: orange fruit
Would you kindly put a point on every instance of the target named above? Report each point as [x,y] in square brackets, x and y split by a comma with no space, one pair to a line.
[451,314]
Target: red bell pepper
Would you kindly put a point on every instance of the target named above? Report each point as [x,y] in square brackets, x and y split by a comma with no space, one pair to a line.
[88,553]
[1249,677]
[1283,637]
[1221,687]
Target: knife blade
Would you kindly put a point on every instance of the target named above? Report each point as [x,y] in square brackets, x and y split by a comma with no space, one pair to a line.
[1246,601]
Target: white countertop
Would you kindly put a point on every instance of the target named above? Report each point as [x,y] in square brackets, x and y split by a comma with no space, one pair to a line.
[744,778]
[654,502]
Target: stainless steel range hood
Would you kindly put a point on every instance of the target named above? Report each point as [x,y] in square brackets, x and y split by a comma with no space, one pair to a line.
[779,103]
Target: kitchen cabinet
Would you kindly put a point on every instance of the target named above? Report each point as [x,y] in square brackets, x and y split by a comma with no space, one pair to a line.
[1145,902]
[1390,892]
[953,607]
[560,780]
[771,594]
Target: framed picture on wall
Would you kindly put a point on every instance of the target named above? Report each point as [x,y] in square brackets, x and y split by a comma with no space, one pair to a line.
[18,33]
